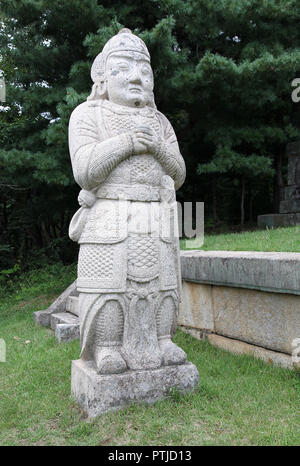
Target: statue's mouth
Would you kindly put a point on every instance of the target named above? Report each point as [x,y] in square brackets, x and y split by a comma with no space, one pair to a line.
[135,89]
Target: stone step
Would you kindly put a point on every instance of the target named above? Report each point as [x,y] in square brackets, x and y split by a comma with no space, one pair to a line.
[63,318]
[66,332]
[72,305]
[43,316]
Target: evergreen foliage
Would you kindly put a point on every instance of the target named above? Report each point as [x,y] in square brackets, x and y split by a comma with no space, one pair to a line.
[223,73]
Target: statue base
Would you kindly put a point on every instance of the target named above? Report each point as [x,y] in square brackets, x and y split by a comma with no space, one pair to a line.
[97,393]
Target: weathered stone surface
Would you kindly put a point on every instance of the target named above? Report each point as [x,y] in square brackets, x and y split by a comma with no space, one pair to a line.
[62,315]
[290,206]
[293,170]
[293,154]
[277,220]
[195,332]
[240,347]
[126,159]
[289,195]
[63,318]
[292,192]
[100,393]
[128,266]
[42,317]
[59,305]
[268,271]
[293,148]
[195,309]
[66,332]
[291,198]
[72,305]
[264,319]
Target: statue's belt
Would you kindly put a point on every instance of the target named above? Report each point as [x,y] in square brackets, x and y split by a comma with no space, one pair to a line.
[164,193]
[130,193]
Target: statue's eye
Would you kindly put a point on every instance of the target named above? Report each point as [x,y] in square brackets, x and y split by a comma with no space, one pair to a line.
[146,70]
[123,67]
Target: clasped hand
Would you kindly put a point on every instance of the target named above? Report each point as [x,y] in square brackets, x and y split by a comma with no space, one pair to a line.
[144,140]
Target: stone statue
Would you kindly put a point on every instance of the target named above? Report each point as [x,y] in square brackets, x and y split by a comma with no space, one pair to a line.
[126,159]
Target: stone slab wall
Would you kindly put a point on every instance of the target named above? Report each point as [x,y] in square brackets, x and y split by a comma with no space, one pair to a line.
[249,297]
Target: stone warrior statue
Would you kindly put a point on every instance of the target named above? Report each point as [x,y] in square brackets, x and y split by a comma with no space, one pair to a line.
[126,159]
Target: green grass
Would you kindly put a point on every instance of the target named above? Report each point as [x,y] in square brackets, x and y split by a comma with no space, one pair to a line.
[278,239]
[240,400]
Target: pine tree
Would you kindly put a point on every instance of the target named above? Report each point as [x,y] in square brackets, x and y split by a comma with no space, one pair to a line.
[248,54]
[223,73]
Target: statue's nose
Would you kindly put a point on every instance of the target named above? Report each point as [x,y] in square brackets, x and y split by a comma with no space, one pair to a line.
[135,76]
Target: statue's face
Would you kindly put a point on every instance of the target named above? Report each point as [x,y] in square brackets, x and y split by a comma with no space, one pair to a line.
[129,79]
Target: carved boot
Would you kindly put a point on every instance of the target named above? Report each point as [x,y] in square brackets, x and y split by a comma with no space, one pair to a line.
[171,353]
[166,320]
[108,360]
[108,340]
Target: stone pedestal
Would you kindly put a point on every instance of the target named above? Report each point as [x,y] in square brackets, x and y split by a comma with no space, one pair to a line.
[97,394]
[278,220]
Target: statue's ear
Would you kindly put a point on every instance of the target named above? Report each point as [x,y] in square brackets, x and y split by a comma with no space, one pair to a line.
[102,87]
[99,90]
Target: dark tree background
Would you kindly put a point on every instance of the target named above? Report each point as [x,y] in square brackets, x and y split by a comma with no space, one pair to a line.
[223,73]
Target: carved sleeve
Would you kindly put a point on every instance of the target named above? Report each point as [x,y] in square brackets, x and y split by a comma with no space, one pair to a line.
[93,159]
[168,154]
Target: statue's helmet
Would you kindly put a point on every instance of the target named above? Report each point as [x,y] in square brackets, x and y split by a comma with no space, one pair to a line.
[124,41]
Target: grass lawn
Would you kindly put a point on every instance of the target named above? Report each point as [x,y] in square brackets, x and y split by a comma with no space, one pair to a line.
[279,239]
[240,400]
